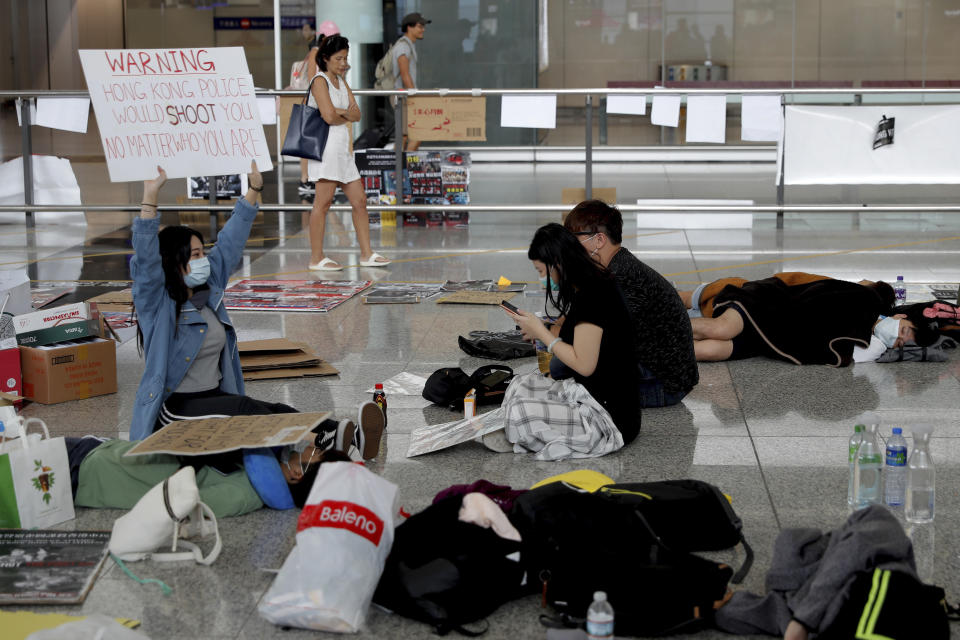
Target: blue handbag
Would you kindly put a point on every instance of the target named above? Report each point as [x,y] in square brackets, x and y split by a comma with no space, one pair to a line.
[307,132]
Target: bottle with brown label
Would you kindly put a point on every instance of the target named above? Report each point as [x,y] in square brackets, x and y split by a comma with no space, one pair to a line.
[380,397]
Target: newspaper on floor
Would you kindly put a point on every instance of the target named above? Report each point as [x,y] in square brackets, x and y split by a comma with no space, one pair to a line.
[434,437]
[403,384]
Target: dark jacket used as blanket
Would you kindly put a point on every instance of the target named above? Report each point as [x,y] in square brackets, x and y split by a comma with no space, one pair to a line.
[814,323]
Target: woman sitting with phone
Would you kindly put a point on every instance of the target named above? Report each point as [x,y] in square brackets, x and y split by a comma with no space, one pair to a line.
[596,411]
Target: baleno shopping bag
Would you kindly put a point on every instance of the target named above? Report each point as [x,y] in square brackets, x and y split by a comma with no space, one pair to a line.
[344,536]
[34,478]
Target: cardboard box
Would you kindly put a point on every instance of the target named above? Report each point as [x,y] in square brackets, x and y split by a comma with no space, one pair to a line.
[71,371]
[447,118]
[46,318]
[576,195]
[65,332]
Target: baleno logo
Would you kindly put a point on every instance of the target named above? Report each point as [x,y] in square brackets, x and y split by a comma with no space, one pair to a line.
[337,514]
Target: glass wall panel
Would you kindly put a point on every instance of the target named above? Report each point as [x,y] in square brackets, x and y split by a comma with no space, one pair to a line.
[478,43]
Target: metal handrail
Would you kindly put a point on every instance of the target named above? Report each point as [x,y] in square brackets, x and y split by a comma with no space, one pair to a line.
[699,208]
[79,93]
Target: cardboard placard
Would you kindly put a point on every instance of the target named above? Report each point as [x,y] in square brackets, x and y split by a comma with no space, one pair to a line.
[447,118]
[217,435]
[493,298]
[192,111]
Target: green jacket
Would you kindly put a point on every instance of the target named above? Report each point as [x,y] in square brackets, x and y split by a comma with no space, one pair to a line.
[110,480]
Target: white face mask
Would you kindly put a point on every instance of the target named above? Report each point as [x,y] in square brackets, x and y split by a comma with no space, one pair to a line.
[887,331]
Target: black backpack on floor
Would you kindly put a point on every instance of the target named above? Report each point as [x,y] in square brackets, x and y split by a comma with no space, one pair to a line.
[448,573]
[447,386]
[576,543]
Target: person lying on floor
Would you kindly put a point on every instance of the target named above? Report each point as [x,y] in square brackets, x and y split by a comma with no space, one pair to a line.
[597,410]
[664,356]
[819,322]
[231,484]
[188,342]
[699,301]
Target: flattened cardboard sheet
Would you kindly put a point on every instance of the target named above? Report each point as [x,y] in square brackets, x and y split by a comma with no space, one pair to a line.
[493,298]
[216,435]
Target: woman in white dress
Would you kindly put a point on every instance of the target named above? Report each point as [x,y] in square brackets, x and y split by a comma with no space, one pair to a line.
[330,94]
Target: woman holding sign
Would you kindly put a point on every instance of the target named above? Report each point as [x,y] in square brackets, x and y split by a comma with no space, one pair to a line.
[192,366]
[339,109]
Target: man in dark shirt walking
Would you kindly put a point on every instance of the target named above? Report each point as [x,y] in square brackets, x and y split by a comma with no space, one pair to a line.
[665,356]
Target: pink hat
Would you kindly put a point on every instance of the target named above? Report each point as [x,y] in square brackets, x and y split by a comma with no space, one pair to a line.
[328,28]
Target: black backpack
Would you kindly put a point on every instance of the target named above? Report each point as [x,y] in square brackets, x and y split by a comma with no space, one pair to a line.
[448,573]
[576,543]
[447,386]
[496,345]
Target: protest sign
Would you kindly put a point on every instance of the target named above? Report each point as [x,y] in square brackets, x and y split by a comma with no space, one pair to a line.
[216,435]
[191,111]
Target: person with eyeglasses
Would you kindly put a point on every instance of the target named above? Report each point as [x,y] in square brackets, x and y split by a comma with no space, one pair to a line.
[666,363]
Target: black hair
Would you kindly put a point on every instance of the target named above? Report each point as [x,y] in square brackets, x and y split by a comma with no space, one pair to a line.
[174,256]
[596,216]
[301,490]
[557,247]
[328,46]
[311,23]
[926,330]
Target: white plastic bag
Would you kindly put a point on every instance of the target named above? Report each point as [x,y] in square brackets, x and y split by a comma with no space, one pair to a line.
[94,627]
[344,536]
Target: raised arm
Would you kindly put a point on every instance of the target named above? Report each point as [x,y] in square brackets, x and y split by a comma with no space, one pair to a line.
[227,252]
[321,93]
[146,269]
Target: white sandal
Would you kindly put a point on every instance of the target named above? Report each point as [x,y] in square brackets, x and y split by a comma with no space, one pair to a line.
[375,260]
[326,264]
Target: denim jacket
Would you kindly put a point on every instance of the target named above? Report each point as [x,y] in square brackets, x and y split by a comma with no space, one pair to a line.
[169,343]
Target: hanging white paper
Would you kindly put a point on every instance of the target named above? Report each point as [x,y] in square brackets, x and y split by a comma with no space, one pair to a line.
[834,145]
[632,105]
[665,111]
[706,119]
[66,114]
[761,118]
[537,112]
[268,109]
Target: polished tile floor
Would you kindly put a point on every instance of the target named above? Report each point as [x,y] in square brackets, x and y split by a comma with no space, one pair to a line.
[771,435]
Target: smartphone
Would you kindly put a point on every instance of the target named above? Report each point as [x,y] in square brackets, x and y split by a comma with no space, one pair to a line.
[509,307]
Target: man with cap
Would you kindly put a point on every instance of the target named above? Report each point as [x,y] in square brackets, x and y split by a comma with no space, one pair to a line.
[405,59]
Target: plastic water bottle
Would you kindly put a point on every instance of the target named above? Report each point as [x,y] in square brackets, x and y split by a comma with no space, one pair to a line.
[869,466]
[900,291]
[855,440]
[380,397]
[921,479]
[895,473]
[600,618]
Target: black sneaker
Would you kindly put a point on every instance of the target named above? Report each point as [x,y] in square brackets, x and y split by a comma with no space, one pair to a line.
[346,435]
[372,424]
[326,439]
[306,187]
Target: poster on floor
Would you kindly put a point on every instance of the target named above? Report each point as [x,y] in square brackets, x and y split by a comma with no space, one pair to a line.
[49,567]
[291,295]
[891,144]
[192,111]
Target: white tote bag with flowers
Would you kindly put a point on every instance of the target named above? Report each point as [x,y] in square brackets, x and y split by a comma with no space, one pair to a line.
[34,478]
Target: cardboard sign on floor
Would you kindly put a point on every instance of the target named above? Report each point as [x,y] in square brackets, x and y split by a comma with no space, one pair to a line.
[217,435]
[281,358]
[493,298]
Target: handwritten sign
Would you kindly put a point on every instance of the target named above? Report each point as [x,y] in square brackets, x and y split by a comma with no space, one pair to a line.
[191,111]
[447,118]
[216,435]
